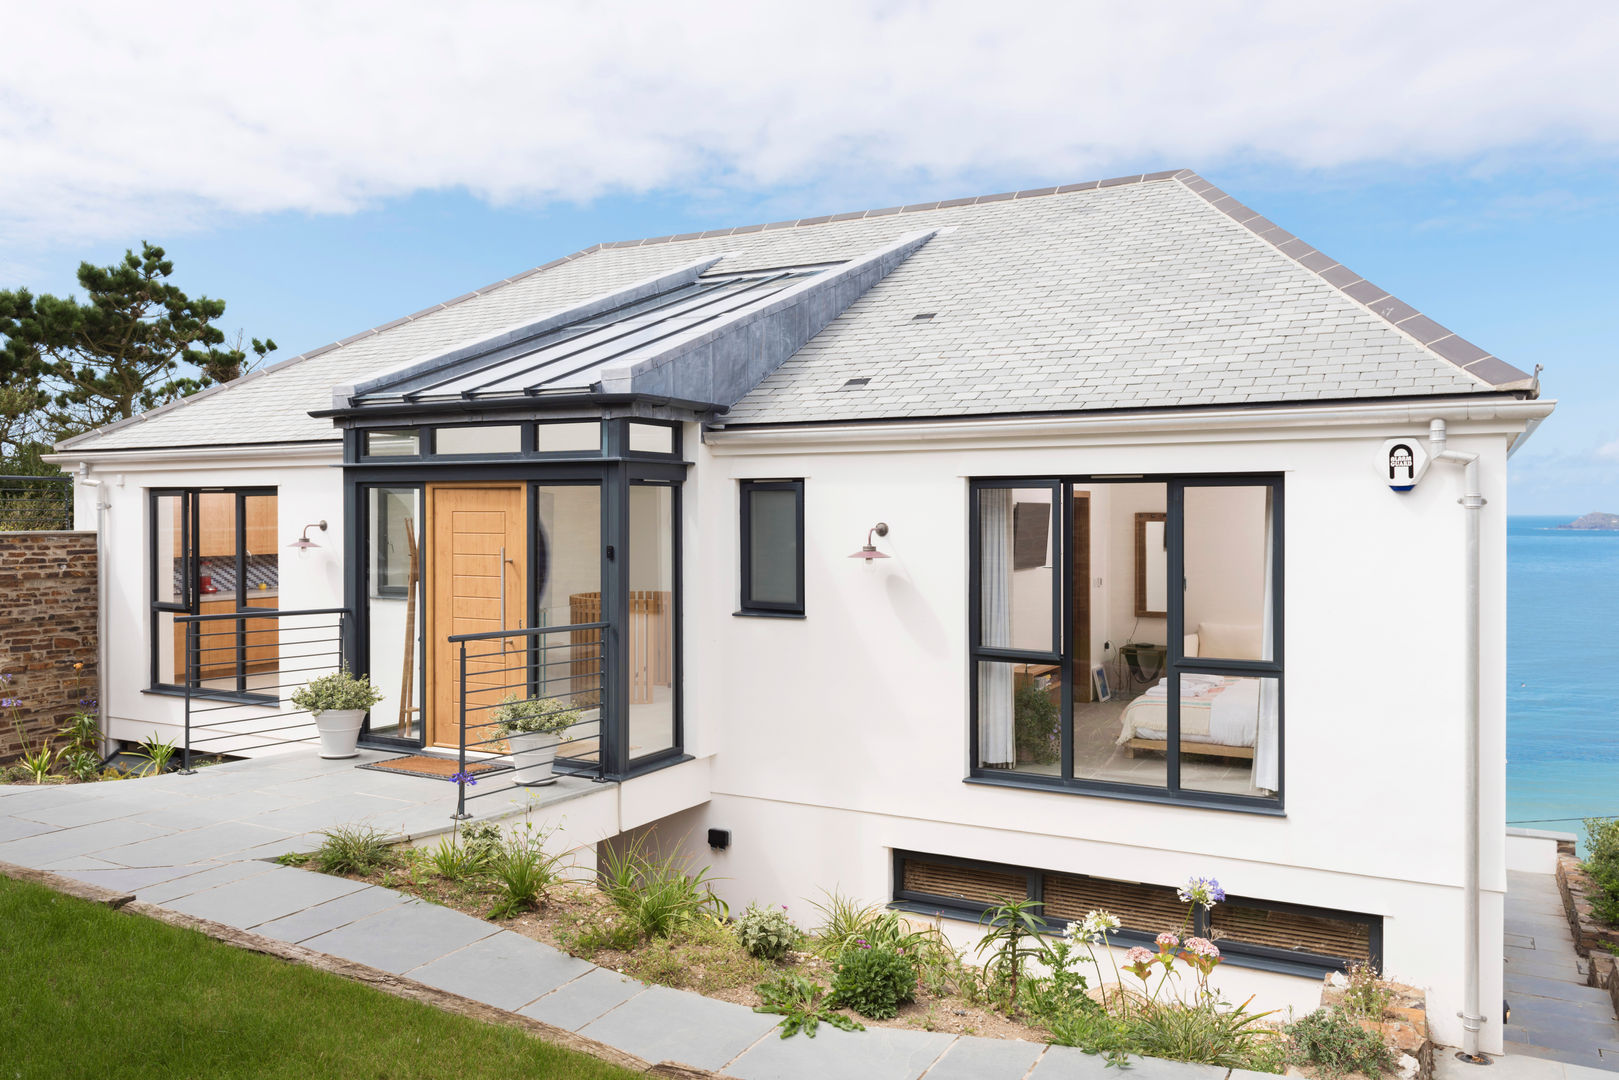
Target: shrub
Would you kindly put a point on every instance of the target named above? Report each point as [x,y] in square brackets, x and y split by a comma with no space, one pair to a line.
[353,849]
[338,691]
[536,716]
[655,894]
[618,935]
[874,981]
[523,872]
[1602,840]
[1368,995]
[1035,724]
[798,1002]
[1332,1042]
[482,842]
[450,860]
[158,753]
[766,933]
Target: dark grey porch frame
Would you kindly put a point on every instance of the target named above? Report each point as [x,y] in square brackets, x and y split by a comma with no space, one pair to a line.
[615,470]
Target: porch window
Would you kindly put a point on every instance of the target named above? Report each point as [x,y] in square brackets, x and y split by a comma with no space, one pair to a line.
[209,553]
[772,547]
[1127,637]
[395,613]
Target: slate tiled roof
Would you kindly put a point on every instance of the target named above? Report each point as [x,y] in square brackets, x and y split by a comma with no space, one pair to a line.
[1141,292]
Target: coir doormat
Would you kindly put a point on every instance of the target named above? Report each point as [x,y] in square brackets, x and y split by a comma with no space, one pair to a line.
[436,767]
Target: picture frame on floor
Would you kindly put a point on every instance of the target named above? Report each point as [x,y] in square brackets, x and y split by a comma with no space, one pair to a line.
[1099,683]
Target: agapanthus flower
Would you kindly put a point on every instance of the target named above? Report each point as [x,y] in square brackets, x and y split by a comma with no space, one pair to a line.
[5,676]
[1166,940]
[1098,923]
[1201,890]
[464,778]
[1202,947]
[10,703]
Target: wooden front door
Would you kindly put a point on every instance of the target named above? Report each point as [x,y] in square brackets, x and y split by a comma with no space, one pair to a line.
[477,583]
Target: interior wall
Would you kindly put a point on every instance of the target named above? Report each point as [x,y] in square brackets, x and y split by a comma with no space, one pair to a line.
[570,520]
[1225,556]
[1121,627]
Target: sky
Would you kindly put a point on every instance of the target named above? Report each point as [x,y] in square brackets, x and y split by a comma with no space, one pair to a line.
[326,168]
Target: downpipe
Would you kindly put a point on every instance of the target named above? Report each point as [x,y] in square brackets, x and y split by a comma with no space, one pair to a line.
[102,506]
[1472,502]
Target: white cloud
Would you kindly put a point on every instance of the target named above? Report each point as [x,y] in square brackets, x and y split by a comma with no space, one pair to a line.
[1609,450]
[117,118]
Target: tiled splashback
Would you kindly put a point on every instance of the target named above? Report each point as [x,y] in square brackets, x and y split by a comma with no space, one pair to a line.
[261,569]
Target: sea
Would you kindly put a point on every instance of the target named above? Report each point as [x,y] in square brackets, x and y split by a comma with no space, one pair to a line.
[1562,674]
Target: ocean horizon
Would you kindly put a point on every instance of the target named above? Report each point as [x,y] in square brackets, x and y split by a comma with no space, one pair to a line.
[1562,673]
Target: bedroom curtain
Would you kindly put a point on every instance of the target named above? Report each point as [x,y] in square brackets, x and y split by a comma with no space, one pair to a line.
[996,748]
[1267,756]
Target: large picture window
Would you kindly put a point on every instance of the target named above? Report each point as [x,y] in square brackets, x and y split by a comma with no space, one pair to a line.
[212,552]
[1126,636]
[772,547]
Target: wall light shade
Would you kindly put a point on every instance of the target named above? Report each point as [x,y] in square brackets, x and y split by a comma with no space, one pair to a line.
[870,551]
[303,543]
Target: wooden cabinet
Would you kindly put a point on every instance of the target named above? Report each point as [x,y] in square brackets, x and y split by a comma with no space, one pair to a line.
[261,525]
[217,645]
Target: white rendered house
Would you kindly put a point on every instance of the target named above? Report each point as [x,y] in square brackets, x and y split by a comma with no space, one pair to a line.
[1160,587]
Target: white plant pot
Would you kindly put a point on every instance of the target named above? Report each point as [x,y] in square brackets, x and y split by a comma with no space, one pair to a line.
[533,753]
[339,732]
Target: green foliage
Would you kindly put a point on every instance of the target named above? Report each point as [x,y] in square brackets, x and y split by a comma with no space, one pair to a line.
[83,765]
[701,954]
[1331,1041]
[1062,990]
[1368,995]
[157,753]
[843,921]
[1016,936]
[451,861]
[655,894]
[1602,841]
[619,935]
[482,841]
[73,365]
[874,981]
[293,858]
[523,871]
[92,992]
[36,764]
[766,933]
[798,1002]
[337,691]
[1206,1032]
[535,716]
[353,849]
[1035,721]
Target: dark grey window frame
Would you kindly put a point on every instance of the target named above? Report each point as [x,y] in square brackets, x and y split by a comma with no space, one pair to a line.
[770,608]
[1177,663]
[191,599]
[1235,953]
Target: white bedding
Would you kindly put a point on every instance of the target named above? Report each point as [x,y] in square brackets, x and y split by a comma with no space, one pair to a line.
[1213,710]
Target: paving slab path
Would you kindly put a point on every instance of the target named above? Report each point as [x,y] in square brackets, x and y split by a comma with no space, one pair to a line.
[1555,1014]
[202,846]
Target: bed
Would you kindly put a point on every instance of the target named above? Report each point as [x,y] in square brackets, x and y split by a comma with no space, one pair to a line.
[1219,714]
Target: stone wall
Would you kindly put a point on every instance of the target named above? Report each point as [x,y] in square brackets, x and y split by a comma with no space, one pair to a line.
[47,624]
[1590,936]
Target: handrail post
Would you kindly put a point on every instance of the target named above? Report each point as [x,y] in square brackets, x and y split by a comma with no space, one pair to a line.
[461,773]
[190,666]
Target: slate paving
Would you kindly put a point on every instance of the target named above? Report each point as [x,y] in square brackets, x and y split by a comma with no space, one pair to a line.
[1555,1015]
[201,845]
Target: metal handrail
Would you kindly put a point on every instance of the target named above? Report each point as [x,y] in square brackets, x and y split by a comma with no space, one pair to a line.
[536,676]
[28,503]
[258,698]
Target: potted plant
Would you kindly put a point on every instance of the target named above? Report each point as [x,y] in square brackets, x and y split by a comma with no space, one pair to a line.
[338,702]
[532,728]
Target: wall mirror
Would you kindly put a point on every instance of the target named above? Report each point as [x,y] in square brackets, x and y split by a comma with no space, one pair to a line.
[1152,567]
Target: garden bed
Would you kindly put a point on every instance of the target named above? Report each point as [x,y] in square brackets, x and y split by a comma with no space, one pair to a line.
[656,919]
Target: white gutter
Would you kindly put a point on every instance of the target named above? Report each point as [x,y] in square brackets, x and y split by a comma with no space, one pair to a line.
[268,455]
[102,506]
[1235,423]
[1472,502]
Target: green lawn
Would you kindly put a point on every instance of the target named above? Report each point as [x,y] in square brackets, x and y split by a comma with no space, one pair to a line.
[88,992]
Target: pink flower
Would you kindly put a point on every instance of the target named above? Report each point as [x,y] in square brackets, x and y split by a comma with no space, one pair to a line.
[1166,940]
[1138,955]
[1202,947]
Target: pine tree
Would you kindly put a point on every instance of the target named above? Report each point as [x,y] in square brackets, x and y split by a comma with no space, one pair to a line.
[118,352]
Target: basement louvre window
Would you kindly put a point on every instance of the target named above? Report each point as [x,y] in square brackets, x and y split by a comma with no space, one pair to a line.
[772,547]
[1250,933]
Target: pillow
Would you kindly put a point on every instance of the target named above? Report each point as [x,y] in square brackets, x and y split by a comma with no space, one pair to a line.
[1229,641]
[1190,647]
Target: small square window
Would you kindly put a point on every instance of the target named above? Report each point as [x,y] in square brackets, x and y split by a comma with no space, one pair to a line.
[403,443]
[773,547]
[651,438]
[478,439]
[569,437]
